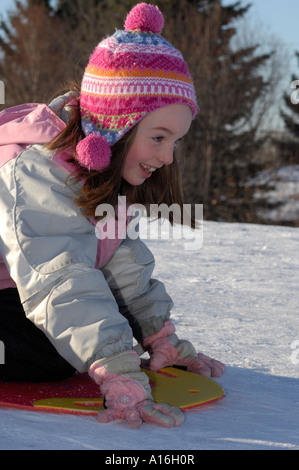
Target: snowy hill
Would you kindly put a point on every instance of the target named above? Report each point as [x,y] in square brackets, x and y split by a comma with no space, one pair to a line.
[236,299]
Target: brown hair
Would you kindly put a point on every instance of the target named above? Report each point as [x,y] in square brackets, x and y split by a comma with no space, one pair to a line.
[164,186]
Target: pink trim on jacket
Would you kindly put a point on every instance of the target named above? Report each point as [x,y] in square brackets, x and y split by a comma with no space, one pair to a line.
[26,124]
[5,279]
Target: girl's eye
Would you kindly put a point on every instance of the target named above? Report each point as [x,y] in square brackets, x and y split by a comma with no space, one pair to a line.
[158,139]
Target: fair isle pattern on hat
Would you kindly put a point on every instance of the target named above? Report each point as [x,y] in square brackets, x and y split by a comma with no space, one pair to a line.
[131,74]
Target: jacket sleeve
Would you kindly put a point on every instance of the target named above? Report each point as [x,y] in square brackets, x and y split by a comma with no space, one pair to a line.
[50,249]
[142,299]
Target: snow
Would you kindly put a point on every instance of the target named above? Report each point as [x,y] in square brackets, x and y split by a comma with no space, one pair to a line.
[236,299]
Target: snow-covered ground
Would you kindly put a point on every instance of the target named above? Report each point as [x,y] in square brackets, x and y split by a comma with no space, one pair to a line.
[236,299]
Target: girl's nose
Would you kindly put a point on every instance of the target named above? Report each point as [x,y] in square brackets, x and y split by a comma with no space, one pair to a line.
[166,156]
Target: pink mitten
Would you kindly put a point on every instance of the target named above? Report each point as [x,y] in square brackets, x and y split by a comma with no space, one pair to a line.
[166,349]
[127,393]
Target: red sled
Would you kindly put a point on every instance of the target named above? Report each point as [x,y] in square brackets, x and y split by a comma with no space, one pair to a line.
[80,394]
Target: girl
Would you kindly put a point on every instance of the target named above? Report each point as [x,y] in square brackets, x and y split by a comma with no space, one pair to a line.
[70,301]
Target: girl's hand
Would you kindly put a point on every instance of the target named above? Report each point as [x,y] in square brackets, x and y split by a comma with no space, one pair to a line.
[127,393]
[166,349]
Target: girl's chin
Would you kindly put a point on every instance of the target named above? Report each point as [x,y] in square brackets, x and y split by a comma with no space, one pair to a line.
[133,181]
[137,177]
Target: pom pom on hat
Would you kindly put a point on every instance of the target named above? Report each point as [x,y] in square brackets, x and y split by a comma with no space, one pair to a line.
[145,17]
[93,152]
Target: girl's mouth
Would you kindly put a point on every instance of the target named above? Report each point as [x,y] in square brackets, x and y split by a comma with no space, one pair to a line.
[147,169]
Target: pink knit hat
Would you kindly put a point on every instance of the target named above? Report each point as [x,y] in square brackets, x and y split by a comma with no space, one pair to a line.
[129,75]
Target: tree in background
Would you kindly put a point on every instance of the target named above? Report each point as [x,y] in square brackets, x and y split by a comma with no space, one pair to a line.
[229,83]
[86,23]
[277,186]
[290,149]
[45,45]
[32,53]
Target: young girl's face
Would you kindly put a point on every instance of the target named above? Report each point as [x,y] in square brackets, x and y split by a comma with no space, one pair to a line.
[156,138]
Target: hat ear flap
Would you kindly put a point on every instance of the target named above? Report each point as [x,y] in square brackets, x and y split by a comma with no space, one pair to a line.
[93,152]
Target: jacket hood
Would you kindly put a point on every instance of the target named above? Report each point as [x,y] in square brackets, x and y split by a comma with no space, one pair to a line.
[29,123]
[32,123]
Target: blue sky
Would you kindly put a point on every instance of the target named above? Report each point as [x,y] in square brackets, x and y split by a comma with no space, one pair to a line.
[281,16]
[278,17]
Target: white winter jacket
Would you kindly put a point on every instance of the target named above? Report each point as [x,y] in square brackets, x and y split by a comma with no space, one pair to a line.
[89,297]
